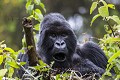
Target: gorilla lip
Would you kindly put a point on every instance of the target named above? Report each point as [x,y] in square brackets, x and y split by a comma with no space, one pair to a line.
[60,57]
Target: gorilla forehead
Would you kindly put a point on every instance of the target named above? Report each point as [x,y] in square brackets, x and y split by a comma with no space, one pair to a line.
[54,20]
[53,17]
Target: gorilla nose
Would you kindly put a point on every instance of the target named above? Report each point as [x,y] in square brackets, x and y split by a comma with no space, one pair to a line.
[60,44]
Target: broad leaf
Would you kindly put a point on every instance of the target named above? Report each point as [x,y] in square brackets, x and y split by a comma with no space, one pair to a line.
[111,6]
[104,3]
[38,15]
[22,63]
[13,64]
[103,11]
[10,72]
[93,7]
[9,50]
[111,40]
[43,7]
[1,50]
[37,2]
[3,72]
[30,8]
[118,27]
[118,77]
[114,56]
[1,59]
[28,3]
[94,18]
[115,18]
[42,63]
[36,27]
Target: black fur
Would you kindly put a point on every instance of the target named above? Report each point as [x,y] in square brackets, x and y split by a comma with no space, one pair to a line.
[85,59]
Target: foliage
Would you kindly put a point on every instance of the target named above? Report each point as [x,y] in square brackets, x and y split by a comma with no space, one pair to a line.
[110,43]
[34,12]
[8,57]
[8,61]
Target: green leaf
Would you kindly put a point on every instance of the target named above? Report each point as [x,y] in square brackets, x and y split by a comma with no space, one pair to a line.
[111,6]
[37,2]
[30,47]
[43,7]
[111,40]
[30,9]
[103,11]
[42,63]
[118,27]
[58,77]
[118,64]
[10,72]
[114,18]
[9,50]
[3,72]
[118,77]
[94,18]
[30,17]
[36,27]
[104,3]
[93,7]
[114,56]
[38,11]
[28,3]
[107,73]
[22,63]
[1,51]
[38,15]
[1,59]
[13,64]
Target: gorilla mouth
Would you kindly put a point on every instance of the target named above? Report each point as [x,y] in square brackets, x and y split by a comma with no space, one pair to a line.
[60,57]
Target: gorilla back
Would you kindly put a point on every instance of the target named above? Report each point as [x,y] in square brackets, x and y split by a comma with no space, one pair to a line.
[57,42]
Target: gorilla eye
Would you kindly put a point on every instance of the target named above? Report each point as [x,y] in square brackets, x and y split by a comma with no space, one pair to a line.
[64,35]
[52,35]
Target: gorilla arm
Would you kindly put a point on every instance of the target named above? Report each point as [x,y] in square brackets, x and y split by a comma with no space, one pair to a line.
[93,52]
[85,66]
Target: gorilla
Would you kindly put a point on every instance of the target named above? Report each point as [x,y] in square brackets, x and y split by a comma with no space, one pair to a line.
[57,42]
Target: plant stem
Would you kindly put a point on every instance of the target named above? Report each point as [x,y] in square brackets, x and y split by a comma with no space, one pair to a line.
[112,31]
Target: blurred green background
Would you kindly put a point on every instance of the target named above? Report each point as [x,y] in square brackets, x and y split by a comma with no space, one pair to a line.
[75,11]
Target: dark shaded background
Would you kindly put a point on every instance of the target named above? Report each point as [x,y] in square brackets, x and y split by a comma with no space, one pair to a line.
[75,11]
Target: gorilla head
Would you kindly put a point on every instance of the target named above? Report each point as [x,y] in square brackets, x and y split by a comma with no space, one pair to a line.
[57,41]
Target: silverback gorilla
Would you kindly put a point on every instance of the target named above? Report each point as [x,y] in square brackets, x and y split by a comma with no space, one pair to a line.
[57,42]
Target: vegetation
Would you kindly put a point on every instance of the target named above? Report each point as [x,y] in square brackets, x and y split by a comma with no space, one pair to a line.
[110,43]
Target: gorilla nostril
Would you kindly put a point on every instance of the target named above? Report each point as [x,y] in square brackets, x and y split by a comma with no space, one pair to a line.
[63,45]
[60,44]
[57,44]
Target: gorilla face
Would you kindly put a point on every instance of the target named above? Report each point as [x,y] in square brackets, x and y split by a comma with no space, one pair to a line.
[57,41]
